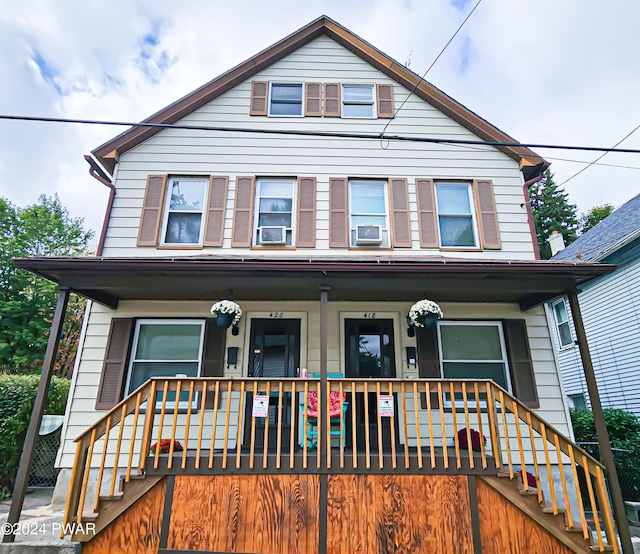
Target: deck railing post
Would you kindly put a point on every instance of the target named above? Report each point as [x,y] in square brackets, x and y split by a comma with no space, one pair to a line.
[601,428]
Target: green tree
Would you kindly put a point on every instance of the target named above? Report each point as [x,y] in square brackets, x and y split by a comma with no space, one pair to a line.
[27,302]
[552,212]
[594,216]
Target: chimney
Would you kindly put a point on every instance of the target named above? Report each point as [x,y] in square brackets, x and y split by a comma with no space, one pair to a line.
[556,242]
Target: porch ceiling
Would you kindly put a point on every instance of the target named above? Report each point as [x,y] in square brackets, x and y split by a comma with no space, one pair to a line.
[110,280]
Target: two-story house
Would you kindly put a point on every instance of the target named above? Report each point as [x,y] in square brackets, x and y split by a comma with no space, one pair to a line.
[273,187]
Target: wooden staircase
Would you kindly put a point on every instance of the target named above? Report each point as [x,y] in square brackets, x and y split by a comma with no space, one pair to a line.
[554,520]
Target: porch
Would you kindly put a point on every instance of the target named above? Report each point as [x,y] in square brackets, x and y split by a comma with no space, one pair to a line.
[411,428]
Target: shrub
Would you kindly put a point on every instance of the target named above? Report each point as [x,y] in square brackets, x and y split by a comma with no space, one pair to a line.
[17,395]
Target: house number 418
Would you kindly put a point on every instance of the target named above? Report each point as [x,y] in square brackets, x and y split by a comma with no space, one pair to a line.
[370,315]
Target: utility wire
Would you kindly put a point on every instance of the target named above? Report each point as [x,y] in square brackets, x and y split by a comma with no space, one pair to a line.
[429,68]
[600,157]
[321,134]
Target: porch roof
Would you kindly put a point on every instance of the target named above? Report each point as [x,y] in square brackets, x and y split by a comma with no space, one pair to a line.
[355,278]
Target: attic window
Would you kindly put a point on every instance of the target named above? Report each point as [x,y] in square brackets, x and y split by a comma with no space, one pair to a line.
[285,99]
[358,101]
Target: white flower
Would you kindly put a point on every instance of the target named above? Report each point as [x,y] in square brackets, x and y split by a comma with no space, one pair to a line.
[227,307]
[423,308]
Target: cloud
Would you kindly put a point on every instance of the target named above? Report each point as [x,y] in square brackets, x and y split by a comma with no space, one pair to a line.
[549,72]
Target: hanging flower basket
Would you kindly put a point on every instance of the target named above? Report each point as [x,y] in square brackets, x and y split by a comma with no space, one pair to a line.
[425,313]
[226,313]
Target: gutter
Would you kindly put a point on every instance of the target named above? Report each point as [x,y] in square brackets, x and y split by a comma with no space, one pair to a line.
[97,173]
[527,202]
[617,246]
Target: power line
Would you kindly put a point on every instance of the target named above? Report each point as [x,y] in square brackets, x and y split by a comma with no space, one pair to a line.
[599,157]
[429,68]
[321,134]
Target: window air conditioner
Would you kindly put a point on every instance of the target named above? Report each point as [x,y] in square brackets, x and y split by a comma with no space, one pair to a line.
[368,234]
[273,235]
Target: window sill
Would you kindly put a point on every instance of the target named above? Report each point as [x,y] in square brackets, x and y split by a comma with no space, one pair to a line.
[460,248]
[179,246]
[258,247]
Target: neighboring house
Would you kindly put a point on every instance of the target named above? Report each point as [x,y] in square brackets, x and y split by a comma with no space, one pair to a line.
[610,307]
[325,241]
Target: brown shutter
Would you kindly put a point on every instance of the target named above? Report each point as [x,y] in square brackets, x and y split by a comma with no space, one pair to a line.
[243,211]
[332,99]
[338,214]
[114,368]
[520,364]
[427,217]
[487,216]
[428,360]
[313,99]
[400,223]
[306,219]
[259,93]
[384,100]
[151,217]
[216,208]
[213,354]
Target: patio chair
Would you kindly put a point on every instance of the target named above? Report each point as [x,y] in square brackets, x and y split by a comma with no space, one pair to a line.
[337,405]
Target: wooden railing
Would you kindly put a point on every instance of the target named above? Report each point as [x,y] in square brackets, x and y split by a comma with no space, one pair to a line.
[216,425]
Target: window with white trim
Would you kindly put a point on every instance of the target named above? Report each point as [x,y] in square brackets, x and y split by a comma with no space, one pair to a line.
[368,213]
[473,350]
[358,100]
[165,348]
[561,318]
[456,215]
[285,99]
[184,208]
[274,215]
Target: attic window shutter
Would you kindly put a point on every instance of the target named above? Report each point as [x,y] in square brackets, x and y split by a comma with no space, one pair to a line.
[216,207]
[338,214]
[243,212]
[259,93]
[306,220]
[401,225]
[213,354]
[114,368]
[384,97]
[427,217]
[332,99]
[428,360]
[313,99]
[520,364]
[151,217]
[487,215]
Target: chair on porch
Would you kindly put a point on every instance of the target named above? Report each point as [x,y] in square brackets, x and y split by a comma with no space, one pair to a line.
[337,405]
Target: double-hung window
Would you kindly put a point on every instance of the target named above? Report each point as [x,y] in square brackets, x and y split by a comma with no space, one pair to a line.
[184,208]
[274,212]
[165,348]
[561,317]
[285,99]
[368,217]
[456,216]
[473,350]
[358,100]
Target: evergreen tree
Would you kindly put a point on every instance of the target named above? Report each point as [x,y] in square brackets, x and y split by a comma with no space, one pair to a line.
[552,212]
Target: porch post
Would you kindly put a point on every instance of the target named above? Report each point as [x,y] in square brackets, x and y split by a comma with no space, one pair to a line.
[601,429]
[26,459]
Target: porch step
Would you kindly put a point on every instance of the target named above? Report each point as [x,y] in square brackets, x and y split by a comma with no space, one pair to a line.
[108,497]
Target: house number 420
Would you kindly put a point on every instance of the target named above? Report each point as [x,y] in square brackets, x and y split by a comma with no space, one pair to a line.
[277,315]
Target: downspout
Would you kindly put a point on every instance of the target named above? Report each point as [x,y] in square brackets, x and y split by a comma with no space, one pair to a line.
[527,203]
[97,173]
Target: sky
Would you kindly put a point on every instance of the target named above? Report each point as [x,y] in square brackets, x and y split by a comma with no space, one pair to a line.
[543,71]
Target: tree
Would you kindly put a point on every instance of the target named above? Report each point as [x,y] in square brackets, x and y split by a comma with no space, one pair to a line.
[552,212]
[27,302]
[594,216]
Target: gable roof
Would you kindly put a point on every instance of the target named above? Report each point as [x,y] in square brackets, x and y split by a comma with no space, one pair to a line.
[108,154]
[612,233]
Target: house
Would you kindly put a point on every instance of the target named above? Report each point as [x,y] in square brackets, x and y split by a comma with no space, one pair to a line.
[610,307]
[323,420]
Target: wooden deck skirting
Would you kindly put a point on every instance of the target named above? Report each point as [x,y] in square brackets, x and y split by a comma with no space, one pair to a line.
[431,431]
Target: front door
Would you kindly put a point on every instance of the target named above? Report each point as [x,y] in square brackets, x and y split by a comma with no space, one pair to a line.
[274,352]
[370,354]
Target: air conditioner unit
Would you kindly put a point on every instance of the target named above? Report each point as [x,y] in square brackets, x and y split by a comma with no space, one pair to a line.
[273,235]
[368,234]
